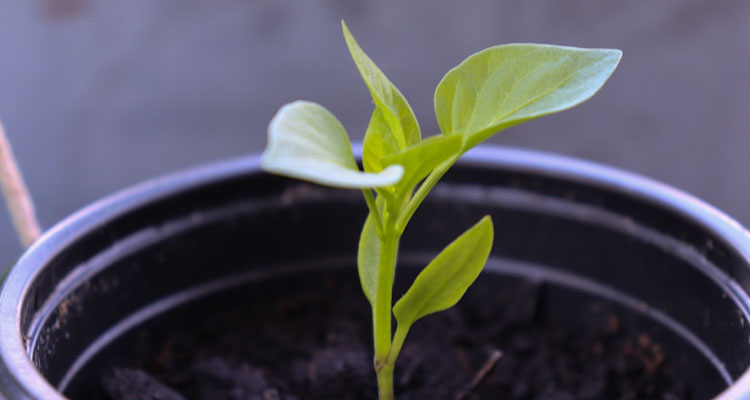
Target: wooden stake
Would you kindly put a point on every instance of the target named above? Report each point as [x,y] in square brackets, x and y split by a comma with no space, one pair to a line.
[17,197]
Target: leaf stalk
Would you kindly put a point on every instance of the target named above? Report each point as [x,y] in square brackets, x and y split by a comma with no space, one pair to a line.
[424,189]
[372,205]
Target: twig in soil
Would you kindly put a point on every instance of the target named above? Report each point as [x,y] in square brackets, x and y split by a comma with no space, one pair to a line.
[16,194]
[486,368]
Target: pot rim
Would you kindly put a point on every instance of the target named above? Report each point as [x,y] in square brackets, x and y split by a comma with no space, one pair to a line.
[19,376]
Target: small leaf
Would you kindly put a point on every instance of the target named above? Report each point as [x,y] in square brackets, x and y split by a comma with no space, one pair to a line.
[305,141]
[393,125]
[418,161]
[505,85]
[444,281]
[379,142]
[367,259]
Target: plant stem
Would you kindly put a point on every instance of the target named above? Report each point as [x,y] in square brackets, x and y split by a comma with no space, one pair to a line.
[372,205]
[398,342]
[385,373]
[382,312]
[394,222]
[382,319]
[385,382]
[422,192]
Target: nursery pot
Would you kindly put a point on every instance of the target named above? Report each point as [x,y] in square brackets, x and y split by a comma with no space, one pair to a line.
[671,265]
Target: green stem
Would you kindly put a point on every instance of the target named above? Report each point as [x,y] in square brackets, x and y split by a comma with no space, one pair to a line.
[382,319]
[385,383]
[370,200]
[398,342]
[385,373]
[422,192]
[387,351]
[383,304]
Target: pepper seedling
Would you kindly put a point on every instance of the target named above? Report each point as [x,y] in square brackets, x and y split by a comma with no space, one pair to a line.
[493,89]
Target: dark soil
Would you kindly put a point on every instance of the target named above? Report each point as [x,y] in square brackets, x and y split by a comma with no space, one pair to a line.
[316,344]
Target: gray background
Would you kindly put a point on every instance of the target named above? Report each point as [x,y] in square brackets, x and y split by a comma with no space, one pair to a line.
[99,95]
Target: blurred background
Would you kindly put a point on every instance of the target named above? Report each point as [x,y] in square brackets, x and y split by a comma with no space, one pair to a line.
[100,95]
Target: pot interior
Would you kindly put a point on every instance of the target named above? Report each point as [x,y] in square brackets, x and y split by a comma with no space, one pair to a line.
[219,242]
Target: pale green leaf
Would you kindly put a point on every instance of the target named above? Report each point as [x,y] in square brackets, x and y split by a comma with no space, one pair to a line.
[445,280]
[418,161]
[505,85]
[367,258]
[379,142]
[393,125]
[305,141]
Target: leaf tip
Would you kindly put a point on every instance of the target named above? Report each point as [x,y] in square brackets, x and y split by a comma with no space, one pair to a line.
[273,132]
[487,224]
[615,52]
[615,55]
[392,175]
[283,110]
[268,156]
[348,37]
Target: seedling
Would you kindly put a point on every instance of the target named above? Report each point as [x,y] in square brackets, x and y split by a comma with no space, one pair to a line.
[494,89]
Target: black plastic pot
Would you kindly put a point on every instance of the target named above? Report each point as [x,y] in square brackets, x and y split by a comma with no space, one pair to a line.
[680,267]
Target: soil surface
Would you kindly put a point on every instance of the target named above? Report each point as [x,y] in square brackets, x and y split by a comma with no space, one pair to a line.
[316,344]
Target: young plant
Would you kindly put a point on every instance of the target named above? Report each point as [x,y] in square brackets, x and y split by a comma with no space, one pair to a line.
[491,90]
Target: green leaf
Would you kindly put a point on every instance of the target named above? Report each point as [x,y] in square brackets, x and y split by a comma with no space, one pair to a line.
[379,142]
[305,141]
[444,281]
[418,161]
[393,125]
[505,85]
[367,259]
